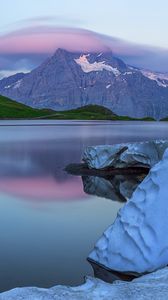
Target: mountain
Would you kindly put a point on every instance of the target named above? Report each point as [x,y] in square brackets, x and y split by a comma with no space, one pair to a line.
[69,80]
[10,82]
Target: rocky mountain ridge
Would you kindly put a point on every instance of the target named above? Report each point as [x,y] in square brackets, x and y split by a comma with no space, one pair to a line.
[69,80]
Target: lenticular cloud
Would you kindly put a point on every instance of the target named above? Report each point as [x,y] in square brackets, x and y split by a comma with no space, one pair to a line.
[41,41]
[46,39]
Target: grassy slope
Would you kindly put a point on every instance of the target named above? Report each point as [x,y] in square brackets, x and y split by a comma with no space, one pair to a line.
[10,109]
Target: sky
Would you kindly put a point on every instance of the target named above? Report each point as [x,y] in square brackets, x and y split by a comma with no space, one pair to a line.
[31,30]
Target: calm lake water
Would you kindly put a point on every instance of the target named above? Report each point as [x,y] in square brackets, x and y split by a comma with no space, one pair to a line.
[48,224]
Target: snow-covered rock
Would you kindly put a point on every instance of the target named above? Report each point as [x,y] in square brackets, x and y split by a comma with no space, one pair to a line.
[138,240]
[125,155]
[151,286]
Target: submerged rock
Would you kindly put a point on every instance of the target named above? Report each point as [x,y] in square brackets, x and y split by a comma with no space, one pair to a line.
[125,155]
[151,286]
[138,240]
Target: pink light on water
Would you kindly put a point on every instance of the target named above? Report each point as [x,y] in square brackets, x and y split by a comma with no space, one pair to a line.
[42,188]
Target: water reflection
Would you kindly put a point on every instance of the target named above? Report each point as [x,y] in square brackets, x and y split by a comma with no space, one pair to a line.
[117,188]
[32,159]
[35,171]
[42,189]
[48,224]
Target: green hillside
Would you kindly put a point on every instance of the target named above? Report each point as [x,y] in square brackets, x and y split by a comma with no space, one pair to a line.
[10,109]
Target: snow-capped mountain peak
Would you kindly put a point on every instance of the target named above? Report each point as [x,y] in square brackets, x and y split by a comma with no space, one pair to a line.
[69,80]
[87,67]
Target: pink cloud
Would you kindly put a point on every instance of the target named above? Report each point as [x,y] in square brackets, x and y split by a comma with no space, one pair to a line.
[47,39]
[44,40]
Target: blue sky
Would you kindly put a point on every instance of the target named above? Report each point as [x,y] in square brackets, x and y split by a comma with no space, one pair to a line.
[143,21]
[31,30]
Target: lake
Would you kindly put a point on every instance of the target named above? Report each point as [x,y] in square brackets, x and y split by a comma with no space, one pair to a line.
[48,224]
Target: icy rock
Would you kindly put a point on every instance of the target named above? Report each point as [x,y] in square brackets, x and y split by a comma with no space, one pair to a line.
[138,239]
[151,286]
[125,155]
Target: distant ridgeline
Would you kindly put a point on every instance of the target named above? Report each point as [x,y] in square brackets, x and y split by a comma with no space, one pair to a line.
[68,80]
[10,109]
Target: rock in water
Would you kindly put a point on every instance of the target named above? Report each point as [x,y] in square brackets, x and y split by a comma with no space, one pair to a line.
[125,155]
[138,239]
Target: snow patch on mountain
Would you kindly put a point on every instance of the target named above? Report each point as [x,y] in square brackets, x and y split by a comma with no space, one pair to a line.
[7,87]
[127,73]
[160,78]
[88,67]
[14,85]
[17,84]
